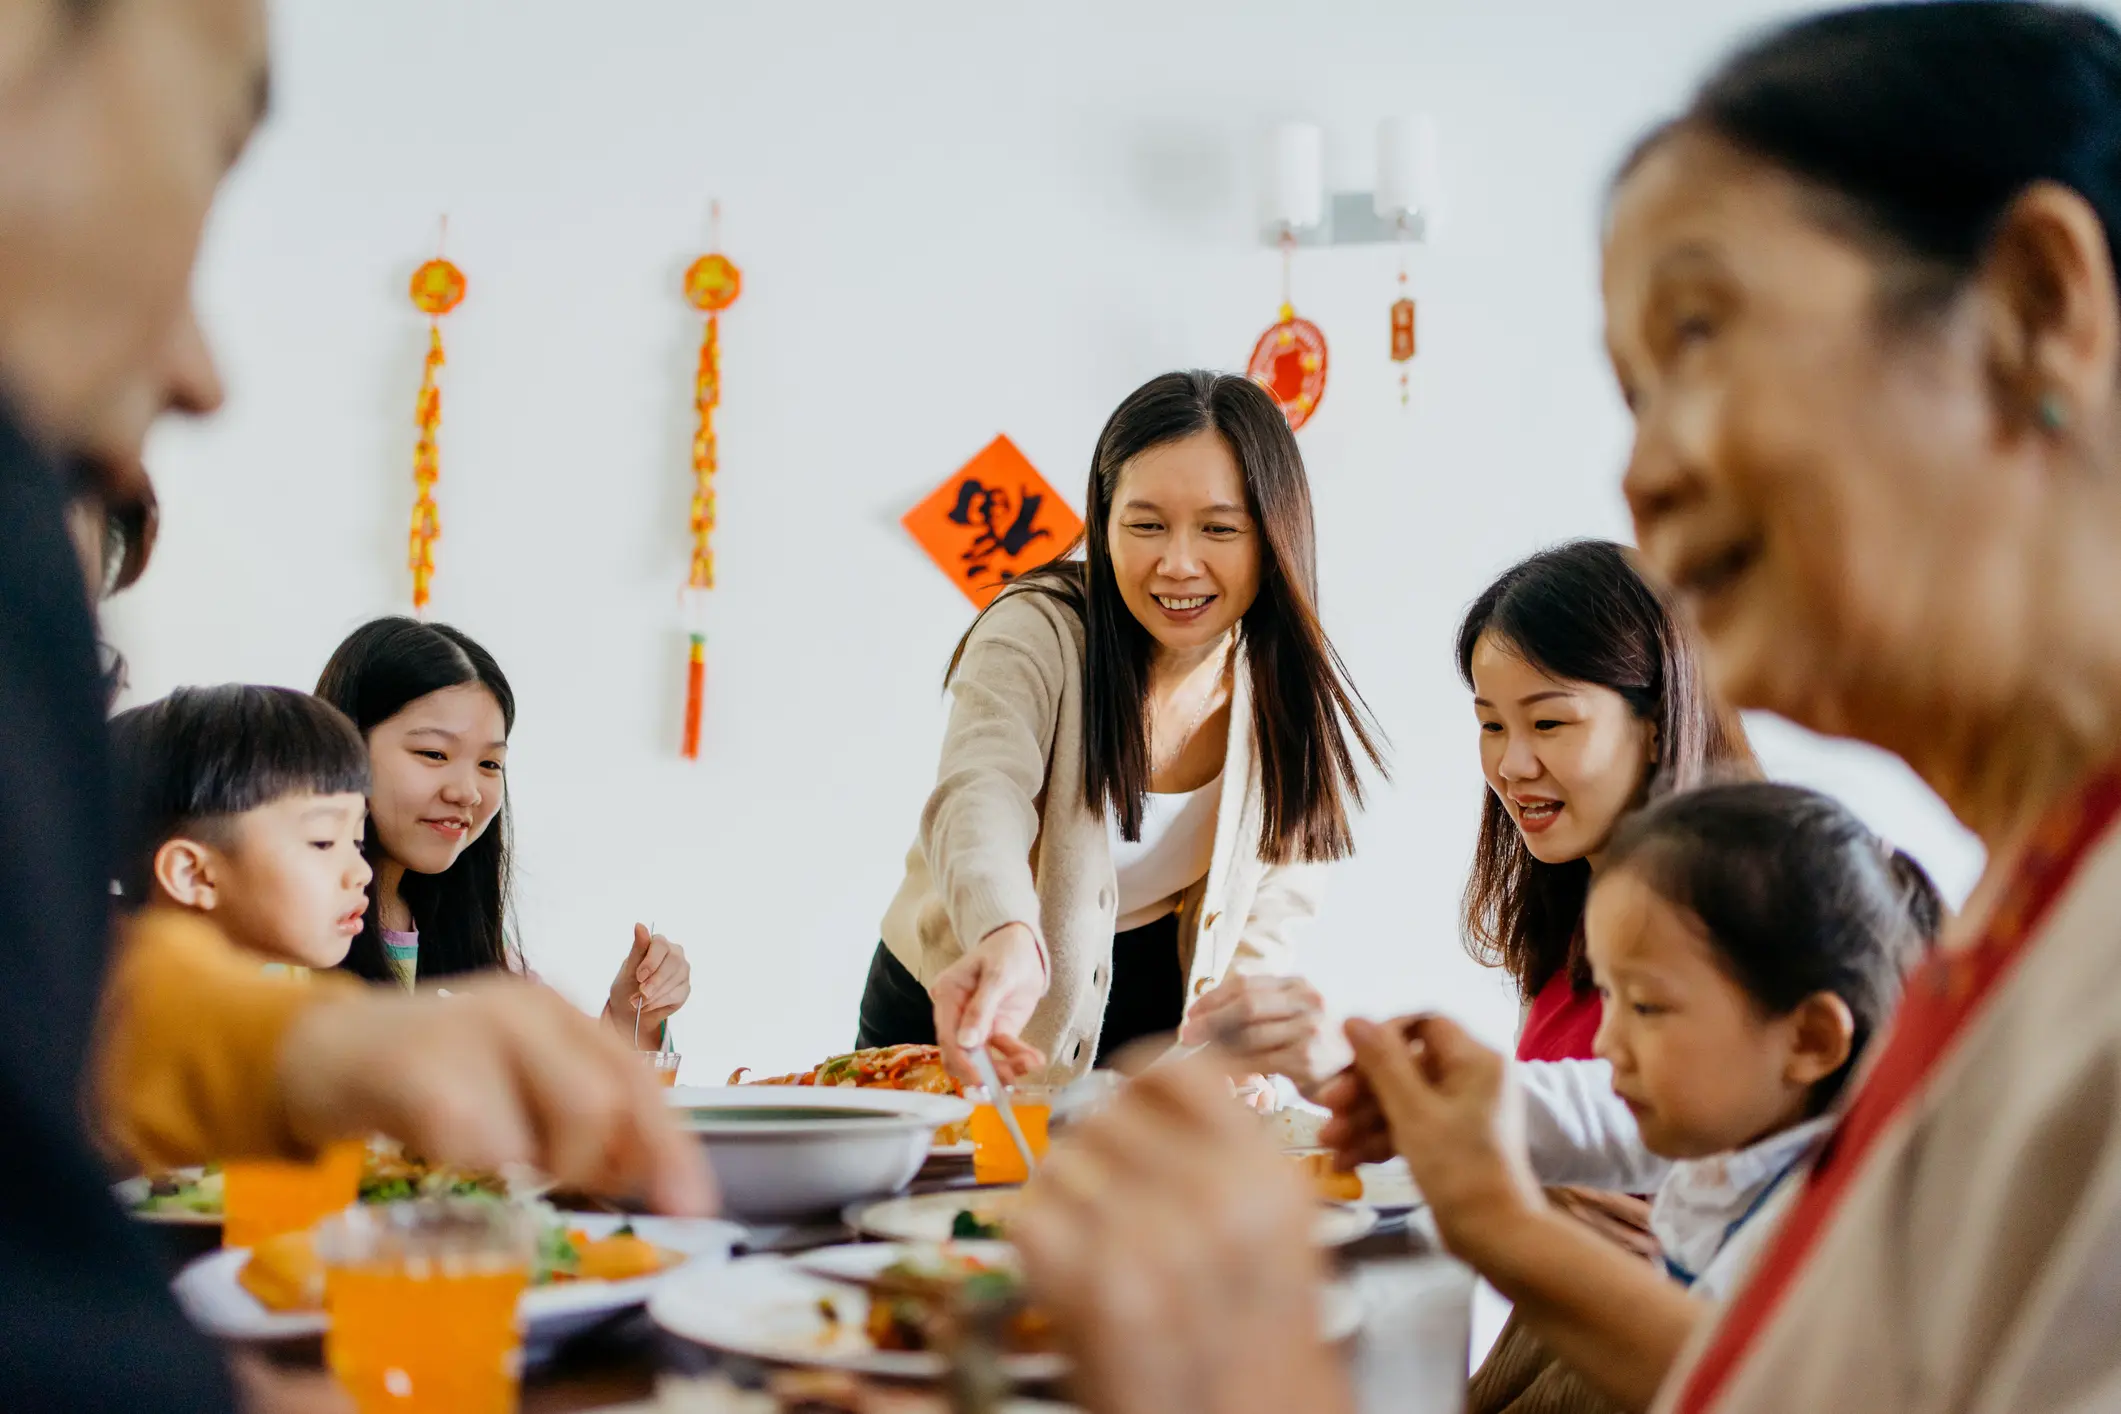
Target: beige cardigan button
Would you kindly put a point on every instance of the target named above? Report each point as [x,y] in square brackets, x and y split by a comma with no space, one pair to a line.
[1201,985]
[1210,921]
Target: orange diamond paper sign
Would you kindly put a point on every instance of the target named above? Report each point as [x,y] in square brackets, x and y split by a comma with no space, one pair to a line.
[991,521]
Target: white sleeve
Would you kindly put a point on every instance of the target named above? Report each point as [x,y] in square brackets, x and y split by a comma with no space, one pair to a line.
[1579,1132]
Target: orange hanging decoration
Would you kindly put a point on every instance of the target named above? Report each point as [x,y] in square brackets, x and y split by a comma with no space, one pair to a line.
[1403,323]
[437,288]
[712,285]
[1403,341]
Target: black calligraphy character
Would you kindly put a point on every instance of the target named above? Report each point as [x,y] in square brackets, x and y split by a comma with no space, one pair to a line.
[991,507]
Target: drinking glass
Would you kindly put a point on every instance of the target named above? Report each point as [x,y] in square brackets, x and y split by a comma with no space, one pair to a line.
[264,1199]
[422,1298]
[994,1154]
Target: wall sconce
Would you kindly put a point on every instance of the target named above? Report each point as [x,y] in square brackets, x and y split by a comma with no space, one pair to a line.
[1401,206]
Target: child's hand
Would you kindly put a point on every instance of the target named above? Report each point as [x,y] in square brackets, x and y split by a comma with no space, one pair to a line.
[657,972]
[1357,1132]
[1453,1112]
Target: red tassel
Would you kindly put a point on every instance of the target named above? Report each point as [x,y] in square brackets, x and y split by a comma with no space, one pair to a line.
[695,696]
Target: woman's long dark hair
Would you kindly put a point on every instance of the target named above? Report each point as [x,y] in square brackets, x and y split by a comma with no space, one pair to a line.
[1304,709]
[462,912]
[1582,612]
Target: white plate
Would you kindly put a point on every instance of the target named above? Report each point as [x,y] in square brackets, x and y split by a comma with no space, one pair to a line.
[771,1308]
[208,1291]
[927,1217]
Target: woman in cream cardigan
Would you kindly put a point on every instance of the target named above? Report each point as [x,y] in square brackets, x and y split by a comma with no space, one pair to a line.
[1148,755]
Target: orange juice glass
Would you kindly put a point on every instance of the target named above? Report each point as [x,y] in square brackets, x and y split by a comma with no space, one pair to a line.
[422,1298]
[994,1155]
[666,1066]
[261,1200]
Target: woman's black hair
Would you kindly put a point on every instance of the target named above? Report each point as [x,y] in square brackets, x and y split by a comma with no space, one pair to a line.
[1794,895]
[1920,123]
[1304,709]
[189,763]
[1583,612]
[462,912]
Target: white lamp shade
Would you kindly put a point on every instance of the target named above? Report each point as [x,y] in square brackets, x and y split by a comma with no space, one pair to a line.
[1407,177]
[1296,176]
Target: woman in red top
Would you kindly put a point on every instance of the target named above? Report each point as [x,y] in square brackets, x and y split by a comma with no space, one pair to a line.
[1590,701]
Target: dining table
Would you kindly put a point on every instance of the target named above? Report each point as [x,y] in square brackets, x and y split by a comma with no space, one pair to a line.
[1409,1356]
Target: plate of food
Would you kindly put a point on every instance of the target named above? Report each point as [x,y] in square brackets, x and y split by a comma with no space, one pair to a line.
[914,1069]
[187,1197]
[876,1308]
[589,1266]
[1387,1187]
[982,1214]
[192,1197]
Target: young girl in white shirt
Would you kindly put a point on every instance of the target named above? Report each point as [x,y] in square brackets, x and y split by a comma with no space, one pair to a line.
[1749,941]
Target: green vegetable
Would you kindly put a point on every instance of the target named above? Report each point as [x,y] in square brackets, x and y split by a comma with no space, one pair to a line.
[968,1226]
[556,1254]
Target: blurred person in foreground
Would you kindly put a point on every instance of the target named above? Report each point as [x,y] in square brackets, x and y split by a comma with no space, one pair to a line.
[118,119]
[1862,302]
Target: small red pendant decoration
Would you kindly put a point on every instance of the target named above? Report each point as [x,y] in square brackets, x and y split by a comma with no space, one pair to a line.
[1402,340]
[1289,361]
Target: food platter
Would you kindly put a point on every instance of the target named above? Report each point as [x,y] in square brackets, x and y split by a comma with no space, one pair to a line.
[814,1310]
[198,1206]
[214,1299]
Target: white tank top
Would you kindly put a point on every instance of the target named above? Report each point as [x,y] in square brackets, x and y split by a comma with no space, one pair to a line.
[1176,845]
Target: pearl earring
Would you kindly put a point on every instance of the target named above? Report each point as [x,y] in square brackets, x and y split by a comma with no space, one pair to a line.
[2053,412]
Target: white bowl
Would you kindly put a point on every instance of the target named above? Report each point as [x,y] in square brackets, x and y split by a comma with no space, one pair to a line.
[785,1151]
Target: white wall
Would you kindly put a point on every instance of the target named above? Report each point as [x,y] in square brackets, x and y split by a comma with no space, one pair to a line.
[955,219]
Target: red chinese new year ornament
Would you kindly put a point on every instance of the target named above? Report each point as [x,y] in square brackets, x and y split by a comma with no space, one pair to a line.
[712,284]
[1289,361]
[437,288]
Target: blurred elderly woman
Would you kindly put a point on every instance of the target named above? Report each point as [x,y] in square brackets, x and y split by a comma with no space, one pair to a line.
[1861,299]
